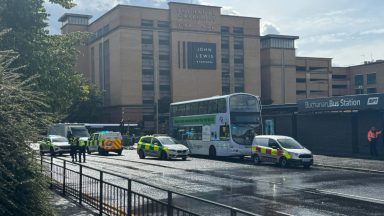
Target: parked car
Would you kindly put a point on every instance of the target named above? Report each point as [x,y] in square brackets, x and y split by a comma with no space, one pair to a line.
[282,150]
[54,144]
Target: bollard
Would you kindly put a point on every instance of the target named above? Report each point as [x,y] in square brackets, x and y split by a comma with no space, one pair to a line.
[51,184]
[129,197]
[64,168]
[41,164]
[169,206]
[81,185]
[101,194]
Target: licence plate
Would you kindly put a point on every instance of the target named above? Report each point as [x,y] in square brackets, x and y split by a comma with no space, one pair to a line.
[306,159]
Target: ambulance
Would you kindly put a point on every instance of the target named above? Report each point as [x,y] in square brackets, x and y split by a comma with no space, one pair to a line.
[104,142]
[282,150]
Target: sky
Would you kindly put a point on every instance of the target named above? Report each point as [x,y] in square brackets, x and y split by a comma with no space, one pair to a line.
[348,31]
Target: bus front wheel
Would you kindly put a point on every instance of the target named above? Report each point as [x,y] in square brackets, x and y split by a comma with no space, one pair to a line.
[212,152]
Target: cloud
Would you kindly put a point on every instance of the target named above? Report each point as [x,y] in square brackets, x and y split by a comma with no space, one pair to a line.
[269,28]
[373,31]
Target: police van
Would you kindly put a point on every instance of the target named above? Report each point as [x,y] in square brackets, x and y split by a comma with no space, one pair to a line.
[282,150]
[161,146]
[105,142]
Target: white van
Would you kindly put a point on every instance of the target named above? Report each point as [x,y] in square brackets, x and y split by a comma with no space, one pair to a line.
[282,150]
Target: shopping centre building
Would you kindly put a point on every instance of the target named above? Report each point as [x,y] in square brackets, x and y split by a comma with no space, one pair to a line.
[145,58]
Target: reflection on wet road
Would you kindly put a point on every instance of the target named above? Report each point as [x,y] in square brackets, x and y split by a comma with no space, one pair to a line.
[264,189]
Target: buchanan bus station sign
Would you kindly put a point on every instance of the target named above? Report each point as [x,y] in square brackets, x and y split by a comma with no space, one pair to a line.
[352,102]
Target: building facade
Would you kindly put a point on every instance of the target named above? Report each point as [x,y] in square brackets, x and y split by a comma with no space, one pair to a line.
[145,58]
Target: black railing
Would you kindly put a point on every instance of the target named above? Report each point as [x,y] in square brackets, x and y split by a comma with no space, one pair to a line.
[125,196]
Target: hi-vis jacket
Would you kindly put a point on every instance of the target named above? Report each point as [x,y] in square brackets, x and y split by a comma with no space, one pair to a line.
[373,135]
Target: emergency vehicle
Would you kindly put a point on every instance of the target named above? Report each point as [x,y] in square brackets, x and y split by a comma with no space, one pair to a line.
[105,142]
[54,144]
[282,150]
[79,131]
[161,146]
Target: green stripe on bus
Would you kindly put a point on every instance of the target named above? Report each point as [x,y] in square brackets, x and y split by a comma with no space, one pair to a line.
[194,120]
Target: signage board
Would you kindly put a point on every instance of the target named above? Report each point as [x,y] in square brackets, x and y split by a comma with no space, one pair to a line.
[351,102]
[201,55]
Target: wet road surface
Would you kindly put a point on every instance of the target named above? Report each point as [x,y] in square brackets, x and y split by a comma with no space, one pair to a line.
[265,189]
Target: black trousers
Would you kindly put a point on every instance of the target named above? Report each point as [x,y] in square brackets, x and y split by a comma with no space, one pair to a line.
[72,152]
[81,152]
[373,148]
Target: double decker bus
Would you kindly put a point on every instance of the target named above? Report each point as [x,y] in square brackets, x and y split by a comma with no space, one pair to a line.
[217,126]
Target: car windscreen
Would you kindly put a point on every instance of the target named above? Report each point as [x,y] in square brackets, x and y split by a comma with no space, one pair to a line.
[167,140]
[79,132]
[59,139]
[290,144]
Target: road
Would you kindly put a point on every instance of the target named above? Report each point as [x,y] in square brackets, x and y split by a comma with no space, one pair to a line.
[264,189]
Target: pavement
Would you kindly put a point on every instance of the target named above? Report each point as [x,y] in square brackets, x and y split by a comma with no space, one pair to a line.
[66,207]
[369,165]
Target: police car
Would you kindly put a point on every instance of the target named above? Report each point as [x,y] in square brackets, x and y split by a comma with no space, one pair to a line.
[161,146]
[282,150]
[54,144]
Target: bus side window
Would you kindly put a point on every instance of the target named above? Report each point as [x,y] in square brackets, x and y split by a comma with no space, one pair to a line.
[221,106]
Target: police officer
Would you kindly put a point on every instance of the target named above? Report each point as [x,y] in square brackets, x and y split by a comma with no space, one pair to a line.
[81,147]
[73,147]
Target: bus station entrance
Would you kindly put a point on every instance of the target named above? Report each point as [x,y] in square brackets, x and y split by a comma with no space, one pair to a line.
[332,126]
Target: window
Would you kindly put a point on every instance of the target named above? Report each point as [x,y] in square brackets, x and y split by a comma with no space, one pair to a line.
[359,91]
[163,24]
[272,143]
[147,71]
[239,89]
[371,90]
[371,78]
[203,107]
[194,108]
[222,105]
[300,80]
[261,142]
[146,140]
[339,76]
[239,75]
[165,88]
[238,30]
[148,117]
[164,72]
[148,87]
[339,86]
[225,60]
[224,29]
[212,107]
[164,57]
[301,68]
[148,102]
[147,23]
[300,92]
[359,80]
[225,90]
[239,61]
[146,56]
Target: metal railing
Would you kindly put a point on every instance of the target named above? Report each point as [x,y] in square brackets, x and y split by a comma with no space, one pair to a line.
[125,196]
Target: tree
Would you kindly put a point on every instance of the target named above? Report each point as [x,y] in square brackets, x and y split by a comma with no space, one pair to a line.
[51,57]
[23,190]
